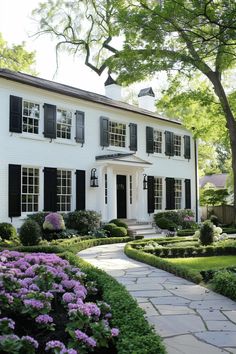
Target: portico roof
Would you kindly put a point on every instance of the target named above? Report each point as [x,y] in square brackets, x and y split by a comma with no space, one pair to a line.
[123,159]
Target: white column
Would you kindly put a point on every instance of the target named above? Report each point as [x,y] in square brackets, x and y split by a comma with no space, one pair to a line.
[111,194]
[142,198]
[100,192]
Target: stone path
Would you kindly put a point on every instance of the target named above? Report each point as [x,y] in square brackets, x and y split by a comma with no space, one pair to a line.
[190,318]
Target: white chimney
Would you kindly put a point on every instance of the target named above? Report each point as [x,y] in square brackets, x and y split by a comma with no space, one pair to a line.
[112,89]
[146,99]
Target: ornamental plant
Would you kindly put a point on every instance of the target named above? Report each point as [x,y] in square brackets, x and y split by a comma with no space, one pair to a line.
[54,222]
[53,300]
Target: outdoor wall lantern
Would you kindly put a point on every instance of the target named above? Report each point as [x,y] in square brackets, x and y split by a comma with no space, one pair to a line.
[93,178]
[145,182]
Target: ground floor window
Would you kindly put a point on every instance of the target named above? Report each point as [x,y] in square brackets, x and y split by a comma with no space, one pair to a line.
[158,193]
[178,193]
[63,190]
[30,189]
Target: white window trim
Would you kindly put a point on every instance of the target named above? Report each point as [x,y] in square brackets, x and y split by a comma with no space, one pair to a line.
[121,148]
[25,213]
[59,108]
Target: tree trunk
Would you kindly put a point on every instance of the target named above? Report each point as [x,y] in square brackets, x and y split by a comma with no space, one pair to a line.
[230,124]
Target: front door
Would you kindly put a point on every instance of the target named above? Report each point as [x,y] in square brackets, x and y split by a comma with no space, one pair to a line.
[121,196]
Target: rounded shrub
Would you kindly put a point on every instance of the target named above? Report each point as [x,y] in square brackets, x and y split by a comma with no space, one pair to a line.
[164,223]
[214,219]
[7,231]
[109,227]
[30,233]
[118,232]
[54,222]
[206,233]
[118,222]
[84,221]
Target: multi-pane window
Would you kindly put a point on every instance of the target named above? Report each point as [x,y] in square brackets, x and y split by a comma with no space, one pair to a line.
[157,141]
[158,193]
[178,193]
[30,189]
[63,190]
[117,134]
[30,117]
[177,145]
[64,120]
[130,190]
[105,188]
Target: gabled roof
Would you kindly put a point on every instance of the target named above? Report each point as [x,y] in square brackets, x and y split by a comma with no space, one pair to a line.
[146,92]
[78,93]
[218,180]
[125,158]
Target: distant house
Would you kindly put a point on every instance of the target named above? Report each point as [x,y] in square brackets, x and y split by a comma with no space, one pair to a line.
[217,181]
[59,142]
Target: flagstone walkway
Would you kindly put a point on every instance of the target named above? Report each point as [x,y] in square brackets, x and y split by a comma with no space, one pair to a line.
[190,318]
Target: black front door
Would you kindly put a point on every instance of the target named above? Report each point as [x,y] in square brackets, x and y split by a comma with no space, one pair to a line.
[121,196]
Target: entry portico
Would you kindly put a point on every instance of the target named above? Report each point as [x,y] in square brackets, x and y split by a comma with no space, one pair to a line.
[122,194]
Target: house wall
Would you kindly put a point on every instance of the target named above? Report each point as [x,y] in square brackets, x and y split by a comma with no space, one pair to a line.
[33,150]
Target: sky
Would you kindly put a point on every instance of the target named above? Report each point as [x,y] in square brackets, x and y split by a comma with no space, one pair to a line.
[17,26]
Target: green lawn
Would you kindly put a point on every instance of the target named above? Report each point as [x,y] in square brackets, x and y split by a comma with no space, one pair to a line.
[205,263]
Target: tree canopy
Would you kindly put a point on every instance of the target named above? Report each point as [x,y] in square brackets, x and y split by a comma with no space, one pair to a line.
[16,57]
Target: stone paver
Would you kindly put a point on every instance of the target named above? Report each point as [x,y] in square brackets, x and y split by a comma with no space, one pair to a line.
[190,318]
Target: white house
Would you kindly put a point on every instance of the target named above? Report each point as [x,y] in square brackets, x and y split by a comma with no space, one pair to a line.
[63,149]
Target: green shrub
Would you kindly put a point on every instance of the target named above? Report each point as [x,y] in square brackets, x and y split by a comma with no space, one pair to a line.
[54,222]
[38,217]
[7,231]
[214,219]
[84,221]
[109,227]
[30,233]
[206,233]
[172,216]
[182,217]
[164,223]
[119,232]
[224,282]
[118,222]
[186,232]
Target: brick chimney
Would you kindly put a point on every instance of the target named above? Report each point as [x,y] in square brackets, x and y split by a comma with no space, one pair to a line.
[112,89]
[146,99]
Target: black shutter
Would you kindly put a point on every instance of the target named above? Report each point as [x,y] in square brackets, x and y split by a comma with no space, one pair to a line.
[14,190]
[50,121]
[187,194]
[133,136]
[80,190]
[150,194]
[79,127]
[170,193]
[169,143]
[149,140]
[50,189]
[15,125]
[187,150]
[104,131]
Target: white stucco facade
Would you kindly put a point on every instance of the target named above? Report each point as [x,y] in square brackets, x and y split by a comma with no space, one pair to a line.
[34,150]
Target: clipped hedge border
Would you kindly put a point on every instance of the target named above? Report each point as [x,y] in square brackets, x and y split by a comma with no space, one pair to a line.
[181,271]
[136,335]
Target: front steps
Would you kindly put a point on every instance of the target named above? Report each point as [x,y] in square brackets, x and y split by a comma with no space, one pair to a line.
[137,228]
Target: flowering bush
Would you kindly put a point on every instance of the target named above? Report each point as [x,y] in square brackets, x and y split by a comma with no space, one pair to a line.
[215,233]
[52,300]
[54,222]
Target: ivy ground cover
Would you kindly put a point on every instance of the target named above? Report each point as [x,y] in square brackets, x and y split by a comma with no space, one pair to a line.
[48,307]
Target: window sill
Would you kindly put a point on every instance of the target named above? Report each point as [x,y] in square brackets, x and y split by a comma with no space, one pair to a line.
[31,136]
[65,142]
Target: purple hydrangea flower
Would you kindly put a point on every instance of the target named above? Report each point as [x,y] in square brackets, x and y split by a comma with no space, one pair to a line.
[68,297]
[83,337]
[68,351]
[115,332]
[44,319]
[36,304]
[30,340]
[10,323]
[53,344]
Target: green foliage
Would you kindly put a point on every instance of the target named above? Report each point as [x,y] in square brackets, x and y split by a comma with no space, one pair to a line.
[38,217]
[214,219]
[109,227]
[118,222]
[186,232]
[213,196]
[7,231]
[119,232]
[206,233]
[224,282]
[164,223]
[30,233]
[16,58]
[84,221]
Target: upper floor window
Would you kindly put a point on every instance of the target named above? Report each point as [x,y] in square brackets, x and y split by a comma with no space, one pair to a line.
[30,189]
[117,134]
[64,121]
[158,193]
[63,190]
[30,117]
[177,145]
[157,141]
[178,193]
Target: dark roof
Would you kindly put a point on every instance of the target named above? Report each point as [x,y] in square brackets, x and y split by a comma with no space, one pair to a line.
[77,93]
[146,92]
[113,156]
[110,81]
[218,180]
